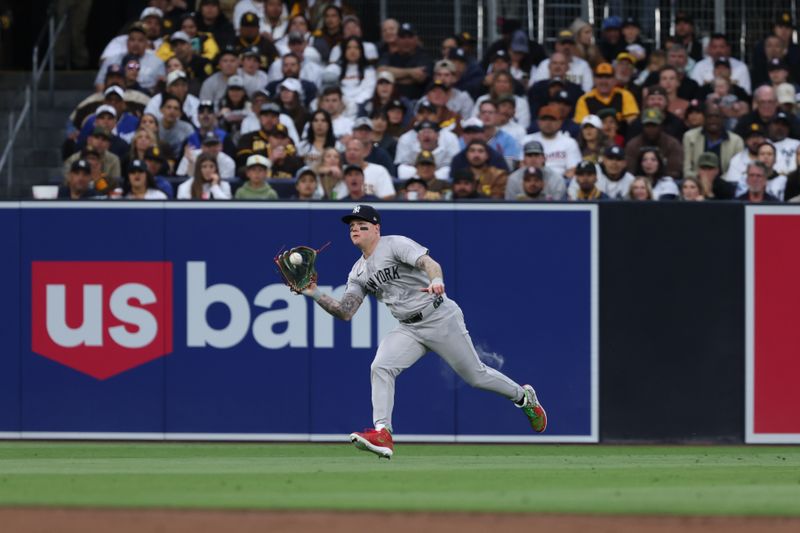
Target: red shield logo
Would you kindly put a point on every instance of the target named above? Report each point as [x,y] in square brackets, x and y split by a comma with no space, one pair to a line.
[101,318]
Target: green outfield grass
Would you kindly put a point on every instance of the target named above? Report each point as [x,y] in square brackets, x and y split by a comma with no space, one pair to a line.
[555,479]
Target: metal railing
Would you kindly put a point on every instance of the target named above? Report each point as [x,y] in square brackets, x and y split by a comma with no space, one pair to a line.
[30,103]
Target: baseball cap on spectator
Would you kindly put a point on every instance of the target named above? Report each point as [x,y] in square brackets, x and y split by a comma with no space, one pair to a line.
[253,52]
[683,16]
[415,179]
[637,51]
[630,21]
[549,111]
[604,69]
[533,172]
[555,80]
[437,84]
[426,104]
[234,81]
[154,153]
[296,37]
[105,108]
[466,38]
[136,26]
[362,122]
[722,62]
[463,174]
[227,50]
[262,92]
[406,30]
[754,129]
[625,56]
[353,168]
[427,124]
[592,120]
[445,64]
[100,131]
[114,69]
[205,104]
[694,107]
[780,116]
[258,161]
[614,152]
[652,115]
[457,54]
[385,75]
[211,138]
[292,84]
[137,165]
[114,89]
[566,36]
[560,97]
[500,54]
[278,131]
[89,151]
[784,19]
[249,19]
[180,36]
[395,104]
[585,167]
[612,23]
[425,157]
[175,75]
[708,160]
[80,165]
[657,89]
[303,171]
[607,112]
[785,93]
[506,99]
[519,42]
[329,79]
[777,63]
[533,148]
[472,124]
[151,12]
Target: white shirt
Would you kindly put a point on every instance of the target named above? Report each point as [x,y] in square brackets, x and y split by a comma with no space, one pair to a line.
[377,181]
[309,71]
[408,148]
[703,72]
[516,131]
[460,102]
[561,152]
[253,82]
[190,106]
[370,53]
[150,194]
[151,69]
[244,6]
[225,164]
[578,72]
[220,191]
[522,111]
[354,89]
[786,155]
[737,166]
[665,186]
[118,46]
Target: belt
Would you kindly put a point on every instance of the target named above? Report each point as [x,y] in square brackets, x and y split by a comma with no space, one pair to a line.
[416,317]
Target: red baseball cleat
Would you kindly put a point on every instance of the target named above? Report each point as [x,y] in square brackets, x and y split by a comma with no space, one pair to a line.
[533,409]
[378,442]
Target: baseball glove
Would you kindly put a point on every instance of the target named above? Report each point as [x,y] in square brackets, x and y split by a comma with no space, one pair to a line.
[298,276]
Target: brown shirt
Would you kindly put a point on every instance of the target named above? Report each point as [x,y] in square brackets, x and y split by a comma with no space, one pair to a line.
[491,181]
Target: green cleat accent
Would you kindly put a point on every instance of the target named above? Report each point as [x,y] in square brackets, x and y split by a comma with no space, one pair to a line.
[533,409]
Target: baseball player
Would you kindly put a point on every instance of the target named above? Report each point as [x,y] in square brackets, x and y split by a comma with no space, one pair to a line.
[400,273]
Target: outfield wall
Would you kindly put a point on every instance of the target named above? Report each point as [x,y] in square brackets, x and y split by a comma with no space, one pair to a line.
[168,321]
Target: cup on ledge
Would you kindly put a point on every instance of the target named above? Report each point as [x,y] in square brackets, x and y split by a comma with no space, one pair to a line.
[45,192]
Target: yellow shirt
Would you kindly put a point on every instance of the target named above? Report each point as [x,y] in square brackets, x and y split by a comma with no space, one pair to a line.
[629,111]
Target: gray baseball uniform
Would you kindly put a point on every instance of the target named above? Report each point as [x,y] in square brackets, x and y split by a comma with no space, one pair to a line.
[427,323]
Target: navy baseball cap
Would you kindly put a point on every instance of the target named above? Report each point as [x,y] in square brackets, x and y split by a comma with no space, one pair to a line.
[137,165]
[614,152]
[80,165]
[363,212]
[585,167]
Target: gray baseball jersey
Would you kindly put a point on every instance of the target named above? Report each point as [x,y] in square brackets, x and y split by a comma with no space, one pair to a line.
[390,275]
[438,325]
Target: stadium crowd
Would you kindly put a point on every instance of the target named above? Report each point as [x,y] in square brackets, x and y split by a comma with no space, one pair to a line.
[276,99]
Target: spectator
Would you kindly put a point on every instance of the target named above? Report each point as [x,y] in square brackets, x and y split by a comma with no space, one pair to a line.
[355,188]
[793,180]
[318,137]
[103,183]
[757,184]
[685,36]
[415,189]
[426,136]
[468,72]
[290,69]
[678,59]
[357,77]
[692,190]
[534,158]
[125,124]
[502,86]
[207,120]
[212,20]
[310,70]
[592,141]
[388,44]
[131,67]
[586,178]
[351,27]
[722,70]
[362,130]
[253,77]
[510,28]
[778,45]
[98,144]
[561,101]
[625,74]
[585,46]
[307,186]
[425,167]
[668,79]
[380,136]
[615,180]
[651,165]
[608,117]
[206,183]
[465,186]
[436,94]
[776,182]
[521,60]
[409,64]
[491,180]
[178,87]
[329,170]
[171,129]
[737,167]
[159,167]
[211,145]
[611,42]
[561,151]
[765,106]
[203,43]
[150,21]
[376,178]
[397,118]
[197,67]
[331,33]
[670,150]
[712,137]
[719,48]
[533,185]
[458,101]
[332,102]
[546,91]
[140,184]
[256,142]
[78,181]
[499,140]
[578,70]
[256,186]
[632,36]
[385,93]
[215,86]
[282,153]
[710,177]
[106,122]
[251,41]
[785,146]
[504,118]
[151,68]
[640,190]
[606,94]
[233,107]
[786,94]
[142,140]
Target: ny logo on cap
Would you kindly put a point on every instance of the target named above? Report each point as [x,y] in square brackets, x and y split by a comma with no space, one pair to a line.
[356,209]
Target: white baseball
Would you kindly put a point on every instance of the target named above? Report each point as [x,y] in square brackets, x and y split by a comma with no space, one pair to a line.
[296,259]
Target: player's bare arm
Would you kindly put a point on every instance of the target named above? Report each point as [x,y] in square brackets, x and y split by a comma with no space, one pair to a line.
[343,309]
[434,271]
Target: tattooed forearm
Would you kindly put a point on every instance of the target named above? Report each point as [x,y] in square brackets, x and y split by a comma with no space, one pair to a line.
[344,309]
[430,267]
